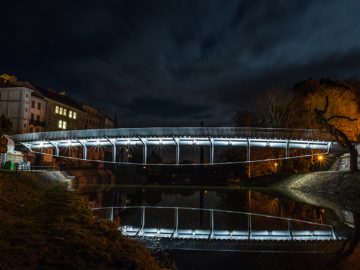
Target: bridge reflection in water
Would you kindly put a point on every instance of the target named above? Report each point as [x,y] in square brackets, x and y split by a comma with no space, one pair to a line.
[178,228]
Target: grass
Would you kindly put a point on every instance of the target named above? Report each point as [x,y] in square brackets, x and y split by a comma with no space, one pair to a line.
[44,226]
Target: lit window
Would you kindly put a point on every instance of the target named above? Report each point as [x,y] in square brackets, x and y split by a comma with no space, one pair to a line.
[57,109]
[74,115]
[60,124]
[64,125]
[64,112]
[61,111]
[70,114]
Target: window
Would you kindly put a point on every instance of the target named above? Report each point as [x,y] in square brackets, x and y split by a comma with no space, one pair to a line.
[57,109]
[74,115]
[39,106]
[27,95]
[64,113]
[25,125]
[70,113]
[38,118]
[62,124]
[25,109]
[31,130]
[33,104]
[32,116]
[61,110]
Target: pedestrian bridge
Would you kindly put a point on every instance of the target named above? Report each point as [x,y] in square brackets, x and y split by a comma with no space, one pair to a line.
[204,229]
[210,137]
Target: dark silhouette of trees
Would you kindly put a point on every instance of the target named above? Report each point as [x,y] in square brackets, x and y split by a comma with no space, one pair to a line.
[245,119]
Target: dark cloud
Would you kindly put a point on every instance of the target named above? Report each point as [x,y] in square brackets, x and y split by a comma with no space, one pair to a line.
[177,62]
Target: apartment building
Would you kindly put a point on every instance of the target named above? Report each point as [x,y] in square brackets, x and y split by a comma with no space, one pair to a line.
[34,109]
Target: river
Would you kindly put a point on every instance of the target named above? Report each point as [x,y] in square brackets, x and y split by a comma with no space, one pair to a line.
[265,202]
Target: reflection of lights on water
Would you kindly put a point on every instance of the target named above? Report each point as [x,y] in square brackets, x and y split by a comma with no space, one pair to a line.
[158,231]
[320,158]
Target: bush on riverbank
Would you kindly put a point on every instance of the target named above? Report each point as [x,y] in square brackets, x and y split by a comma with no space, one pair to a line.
[44,226]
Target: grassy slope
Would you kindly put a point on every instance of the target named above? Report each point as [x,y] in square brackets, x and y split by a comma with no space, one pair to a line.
[44,226]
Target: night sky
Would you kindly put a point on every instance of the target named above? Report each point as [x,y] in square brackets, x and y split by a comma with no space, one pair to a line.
[176,63]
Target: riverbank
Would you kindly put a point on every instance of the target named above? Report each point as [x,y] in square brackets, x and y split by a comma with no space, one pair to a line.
[331,189]
[45,226]
[335,190]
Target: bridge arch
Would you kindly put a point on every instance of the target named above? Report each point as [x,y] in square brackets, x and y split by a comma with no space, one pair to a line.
[210,137]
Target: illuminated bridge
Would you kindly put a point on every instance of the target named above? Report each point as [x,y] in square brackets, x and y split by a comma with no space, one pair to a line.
[213,229]
[210,137]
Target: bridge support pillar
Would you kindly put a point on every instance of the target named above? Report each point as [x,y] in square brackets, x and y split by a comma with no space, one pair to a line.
[83,144]
[329,146]
[211,224]
[177,153]
[112,142]
[144,150]
[56,147]
[211,150]
[111,217]
[289,228]
[176,220]
[248,157]
[249,227]
[287,149]
[142,219]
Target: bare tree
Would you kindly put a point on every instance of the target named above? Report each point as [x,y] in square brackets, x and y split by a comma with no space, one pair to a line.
[339,136]
[274,108]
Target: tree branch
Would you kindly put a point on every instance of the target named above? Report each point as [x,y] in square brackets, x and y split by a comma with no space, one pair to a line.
[341,117]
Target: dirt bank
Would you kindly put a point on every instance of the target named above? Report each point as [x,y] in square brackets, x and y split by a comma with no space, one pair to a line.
[45,226]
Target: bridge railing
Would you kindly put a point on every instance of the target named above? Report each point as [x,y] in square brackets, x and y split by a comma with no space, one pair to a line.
[198,223]
[240,132]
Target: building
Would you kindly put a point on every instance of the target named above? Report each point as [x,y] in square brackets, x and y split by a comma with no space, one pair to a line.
[94,119]
[15,102]
[34,109]
[62,112]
